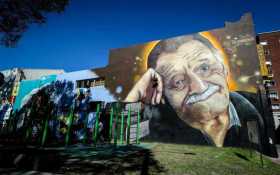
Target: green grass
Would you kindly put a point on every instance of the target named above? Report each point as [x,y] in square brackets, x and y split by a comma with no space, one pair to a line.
[202,160]
[151,158]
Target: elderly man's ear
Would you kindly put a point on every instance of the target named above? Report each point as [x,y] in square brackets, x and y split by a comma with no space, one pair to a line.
[148,89]
[225,71]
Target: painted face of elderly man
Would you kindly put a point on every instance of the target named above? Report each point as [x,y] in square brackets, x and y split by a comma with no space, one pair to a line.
[189,73]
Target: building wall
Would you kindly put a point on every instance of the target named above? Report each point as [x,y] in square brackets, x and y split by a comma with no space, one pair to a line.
[270,42]
[33,74]
[98,92]
[13,76]
[128,71]
[200,88]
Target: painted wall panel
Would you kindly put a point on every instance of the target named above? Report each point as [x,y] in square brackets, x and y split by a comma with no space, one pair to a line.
[27,86]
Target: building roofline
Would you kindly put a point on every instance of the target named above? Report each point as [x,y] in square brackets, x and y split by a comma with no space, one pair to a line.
[274,31]
[31,69]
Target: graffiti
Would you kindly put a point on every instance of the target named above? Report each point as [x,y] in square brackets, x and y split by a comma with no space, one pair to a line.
[6,88]
[10,80]
[5,111]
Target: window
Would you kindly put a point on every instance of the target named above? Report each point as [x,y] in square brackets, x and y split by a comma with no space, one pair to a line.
[273,95]
[100,81]
[269,69]
[264,43]
[275,106]
[266,51]
[270,75]
[276,114]
[269,83]
[268,62]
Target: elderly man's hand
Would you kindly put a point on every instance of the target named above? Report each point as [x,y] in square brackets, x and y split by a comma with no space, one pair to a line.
[148,89]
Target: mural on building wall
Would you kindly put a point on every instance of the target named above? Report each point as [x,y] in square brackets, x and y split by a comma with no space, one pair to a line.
[58,102]
[196,88]
[56,98]
[9,87]
[8,91]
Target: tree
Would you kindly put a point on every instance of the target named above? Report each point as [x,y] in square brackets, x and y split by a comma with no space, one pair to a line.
[17,15]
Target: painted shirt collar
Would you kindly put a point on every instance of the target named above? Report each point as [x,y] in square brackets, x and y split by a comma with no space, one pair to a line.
[233,116]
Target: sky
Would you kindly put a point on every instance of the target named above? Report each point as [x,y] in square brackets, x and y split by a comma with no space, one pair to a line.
[81,37]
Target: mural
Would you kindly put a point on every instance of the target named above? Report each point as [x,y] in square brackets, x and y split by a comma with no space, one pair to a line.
[201,88]
[9,87]
[8,91]
[58,107]
[192,76]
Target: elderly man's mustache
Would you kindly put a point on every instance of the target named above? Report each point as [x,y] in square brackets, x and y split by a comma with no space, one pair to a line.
[194,98]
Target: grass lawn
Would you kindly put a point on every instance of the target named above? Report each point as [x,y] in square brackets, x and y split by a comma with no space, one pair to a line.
[146,158]
[202,160]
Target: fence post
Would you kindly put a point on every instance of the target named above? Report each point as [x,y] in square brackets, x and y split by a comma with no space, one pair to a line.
[85,128]
[68,134]
[45,132]
[46,126]
[111,123]
[138,126]
[96,127]
[128,124]
[116,127]
[28,132]
[122,119]
[10,122]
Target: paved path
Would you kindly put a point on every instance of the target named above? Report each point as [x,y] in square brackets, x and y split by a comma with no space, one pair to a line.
[277,160]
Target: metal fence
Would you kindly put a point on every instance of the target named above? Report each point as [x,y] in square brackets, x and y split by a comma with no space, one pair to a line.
[115,123]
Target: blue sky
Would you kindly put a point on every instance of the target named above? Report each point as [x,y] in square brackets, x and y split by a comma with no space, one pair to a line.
[80,38]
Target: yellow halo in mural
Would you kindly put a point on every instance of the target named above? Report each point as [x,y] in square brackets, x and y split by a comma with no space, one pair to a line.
[147,50]
[144,55]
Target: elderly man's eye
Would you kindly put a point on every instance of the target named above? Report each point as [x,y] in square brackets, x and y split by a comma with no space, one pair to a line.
[179,82]
[203,69]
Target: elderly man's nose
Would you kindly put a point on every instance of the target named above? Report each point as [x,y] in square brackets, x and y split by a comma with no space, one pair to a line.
[196,84]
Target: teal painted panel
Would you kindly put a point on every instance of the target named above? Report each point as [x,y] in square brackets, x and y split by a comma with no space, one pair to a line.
[26,86]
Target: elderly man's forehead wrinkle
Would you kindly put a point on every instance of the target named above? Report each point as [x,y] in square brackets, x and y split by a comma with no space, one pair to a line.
[193,54]
[165,70]
[191,50]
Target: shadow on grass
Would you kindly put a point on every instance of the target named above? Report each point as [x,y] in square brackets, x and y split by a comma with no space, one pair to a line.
[93,160]
[112,160]
[241,156]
